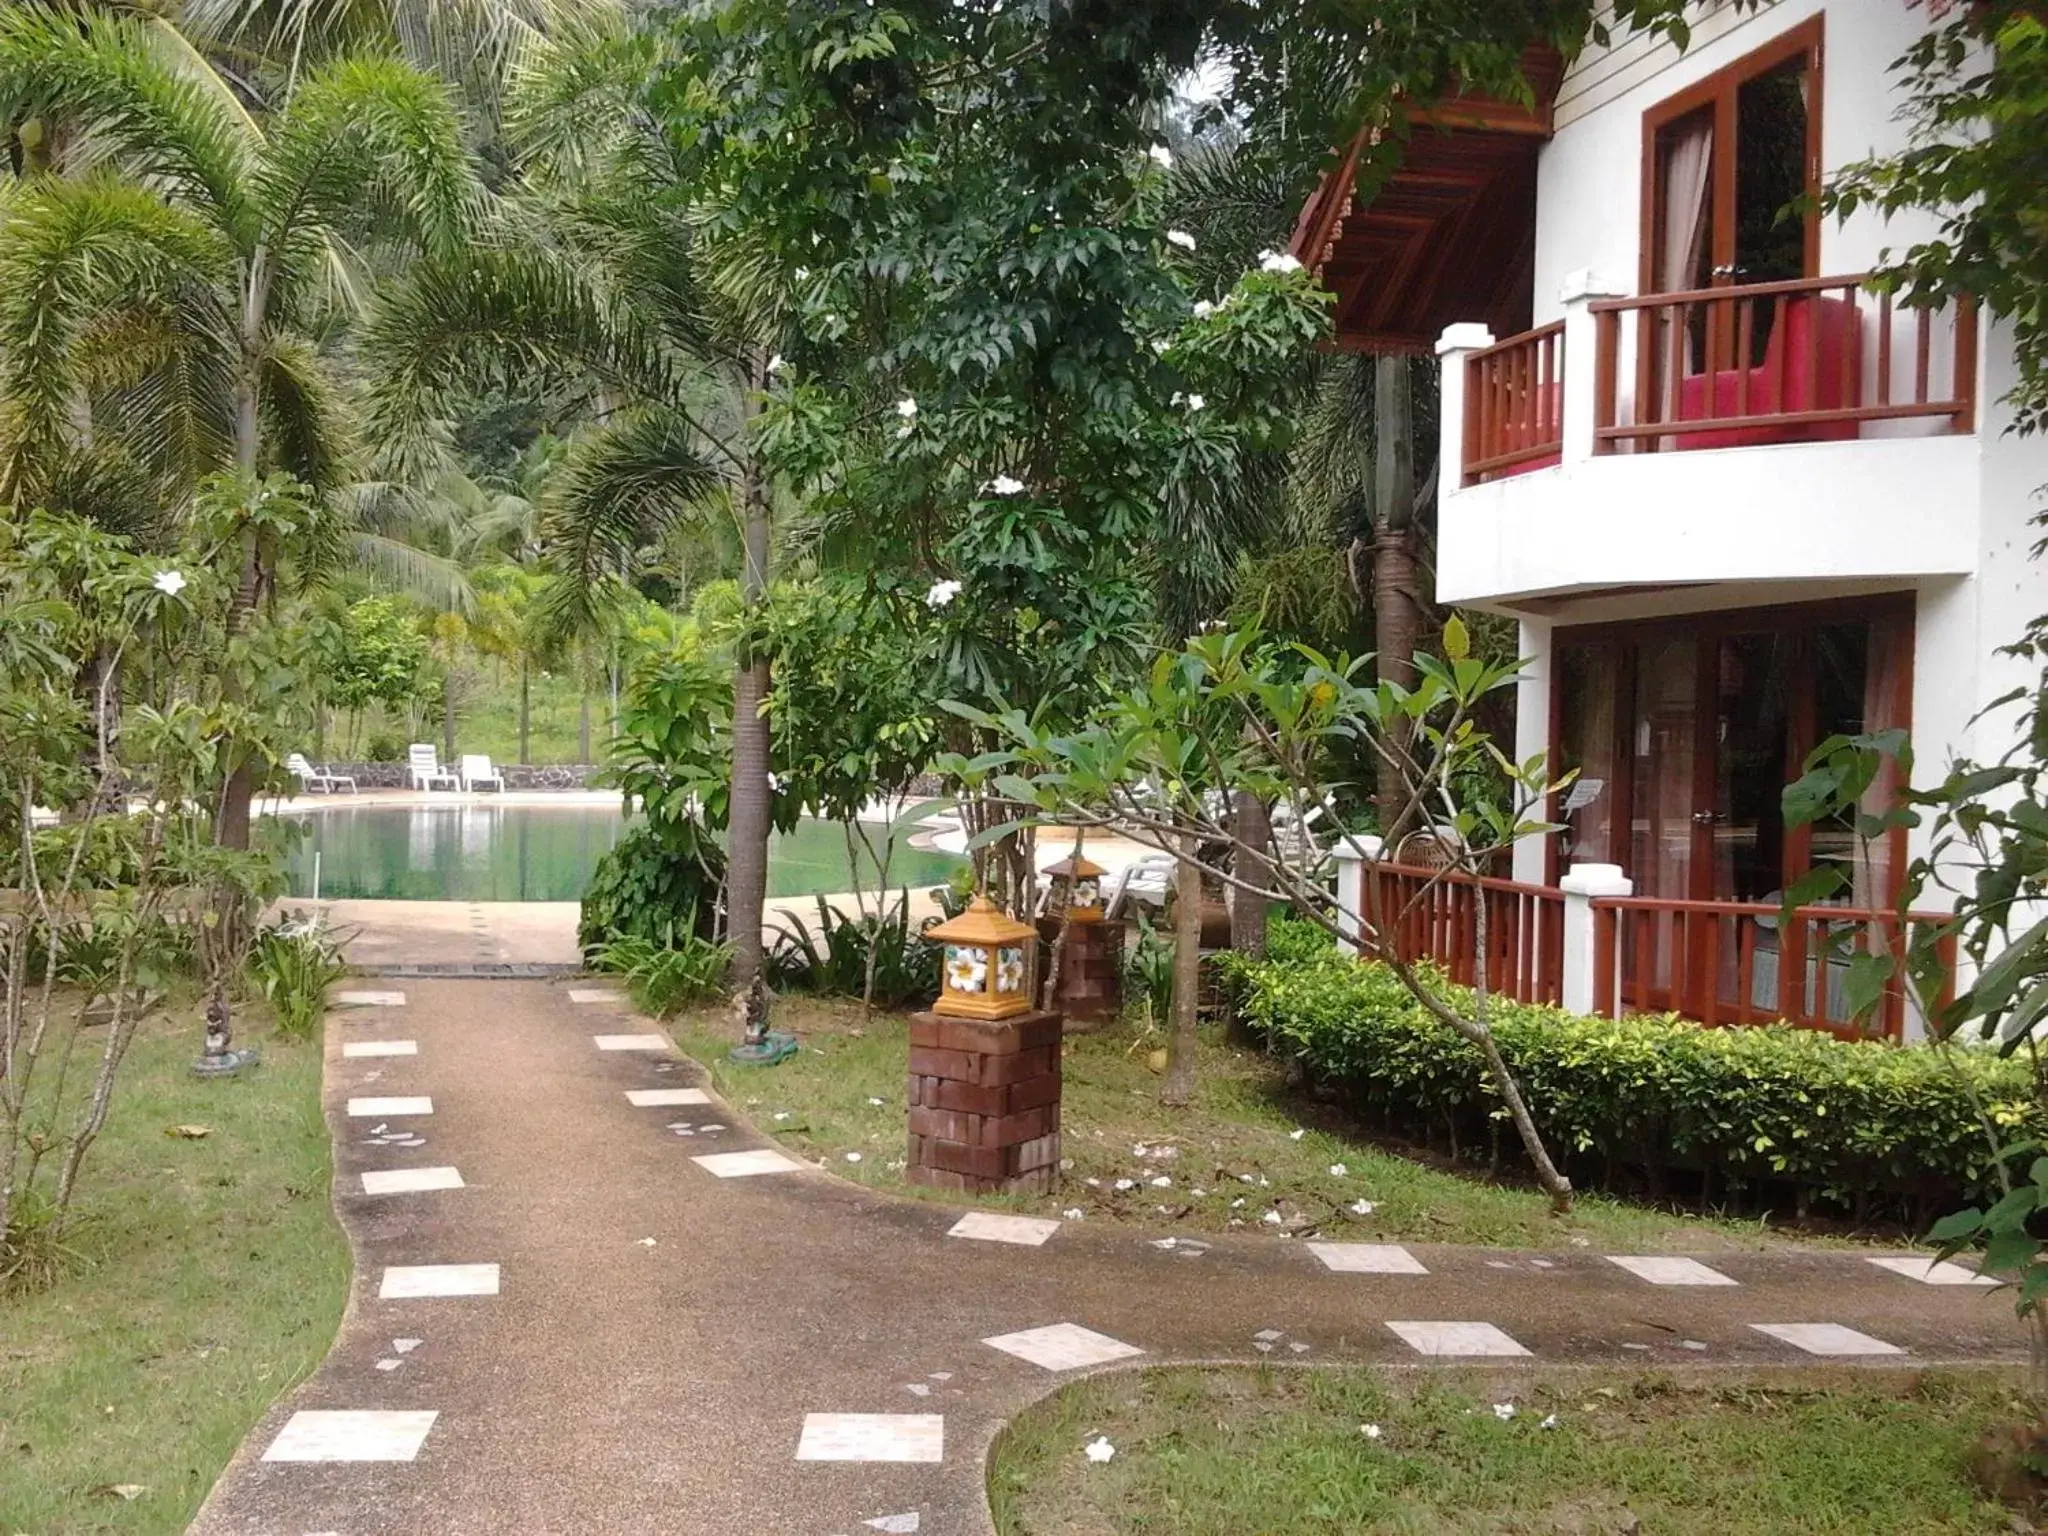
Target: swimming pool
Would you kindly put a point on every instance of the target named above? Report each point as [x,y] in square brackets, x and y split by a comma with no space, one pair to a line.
[486,851]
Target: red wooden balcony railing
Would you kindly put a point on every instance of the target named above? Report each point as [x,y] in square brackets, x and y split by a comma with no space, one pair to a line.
[1808,360]
[1434,915]
[1514,405]
[1724,962]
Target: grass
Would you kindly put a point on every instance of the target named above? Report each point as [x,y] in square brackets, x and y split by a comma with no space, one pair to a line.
[1278,1452]
[1246,1148]
[212,1278]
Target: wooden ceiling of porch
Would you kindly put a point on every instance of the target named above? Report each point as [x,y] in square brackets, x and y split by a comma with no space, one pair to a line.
[1449,232]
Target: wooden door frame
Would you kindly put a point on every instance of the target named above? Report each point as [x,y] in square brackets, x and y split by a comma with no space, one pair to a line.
[1718,91]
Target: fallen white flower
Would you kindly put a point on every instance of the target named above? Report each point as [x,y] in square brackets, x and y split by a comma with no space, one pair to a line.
[1073,1213]
[1370,1431]
[1338,1170]
[853,1157]
[1271,1218]
[1099,1450]
[942,593]
[170,583]
[1181,238]
[1161,156]
[1296,1135]
[1162,1182]
[875,1102]
[1361,1207]
[1126,1183]
[1503,1411]
[646,1242]
[1278,261]
[1549,1422]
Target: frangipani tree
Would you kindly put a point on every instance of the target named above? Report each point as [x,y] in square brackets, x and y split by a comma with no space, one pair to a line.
[1230,712]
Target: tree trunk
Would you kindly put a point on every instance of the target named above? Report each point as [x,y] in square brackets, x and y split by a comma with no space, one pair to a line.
[1396,617]
[525,712]
[1254,837]
[448,715]
[747,832]
[1179,1088]
[583,726]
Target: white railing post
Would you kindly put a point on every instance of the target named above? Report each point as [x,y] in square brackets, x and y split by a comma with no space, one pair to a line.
[1352,854]
[1579,984]
[1457,343]
[1581,359]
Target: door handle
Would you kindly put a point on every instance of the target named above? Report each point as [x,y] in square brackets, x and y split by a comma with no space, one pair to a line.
[1726,271]
[1706,818]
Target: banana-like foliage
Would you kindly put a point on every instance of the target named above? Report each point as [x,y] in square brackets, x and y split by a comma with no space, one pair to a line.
[161,298]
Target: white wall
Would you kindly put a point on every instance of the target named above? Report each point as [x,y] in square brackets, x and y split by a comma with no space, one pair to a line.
[1589,179]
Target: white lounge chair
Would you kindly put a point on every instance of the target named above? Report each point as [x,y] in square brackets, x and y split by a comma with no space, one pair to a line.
[427,772]
[477,770]
[1148,879]
[317,780]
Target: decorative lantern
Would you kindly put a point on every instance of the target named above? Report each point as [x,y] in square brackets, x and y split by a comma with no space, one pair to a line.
[1077,888]
[986,972]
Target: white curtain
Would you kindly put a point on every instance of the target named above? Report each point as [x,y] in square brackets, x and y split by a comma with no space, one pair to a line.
[1687,170]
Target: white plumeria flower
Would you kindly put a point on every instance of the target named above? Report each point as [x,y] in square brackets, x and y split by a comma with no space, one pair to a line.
[1161,156]
[1160,344]
[1296,1135]
[1196,402]
[1370,1431]
[1360,1207]
[1162,1182]
[942,593]
[1278,261]
[1004,485]
[1204,309]
[853,1157]
[802,273]
[1503,1411]
[907,408]
[1098,1450]
[1338,1170]
[1181,238]
[1073,1213]
[1549,1421]
[776,365]
[1123,1184]
[1271,1218]
[170,583]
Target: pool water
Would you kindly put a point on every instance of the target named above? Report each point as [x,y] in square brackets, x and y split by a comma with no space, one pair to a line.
[486,852]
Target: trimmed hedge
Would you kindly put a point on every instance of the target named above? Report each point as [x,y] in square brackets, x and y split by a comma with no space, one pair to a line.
[1774,1118]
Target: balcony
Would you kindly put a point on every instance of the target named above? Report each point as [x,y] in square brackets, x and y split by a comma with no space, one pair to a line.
[1775,431]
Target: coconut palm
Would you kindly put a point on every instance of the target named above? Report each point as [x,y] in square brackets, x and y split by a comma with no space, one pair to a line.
[600,287]
[160,298]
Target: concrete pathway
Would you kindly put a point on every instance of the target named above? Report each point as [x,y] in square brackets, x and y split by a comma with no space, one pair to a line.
[582,1320]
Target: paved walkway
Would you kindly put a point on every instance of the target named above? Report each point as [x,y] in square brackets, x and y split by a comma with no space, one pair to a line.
[576,1325]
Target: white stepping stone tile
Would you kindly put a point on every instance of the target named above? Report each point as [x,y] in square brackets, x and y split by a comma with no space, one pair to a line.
[906,1524]
[355,1050]
[872,1437]
[1932,1271]
[364,1109]
[994,1227]
[1827,1339]
[369,999]
[631,1042]
[593,995]
[663,1098]
[1670,1271]
[381,1434]
[407,1181]
[1063,1347]
[1456,1339]
[740,1165]
[406,1282]
[1367,1258]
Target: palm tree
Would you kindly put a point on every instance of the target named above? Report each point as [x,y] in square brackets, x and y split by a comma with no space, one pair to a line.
[599,286]
[160,301]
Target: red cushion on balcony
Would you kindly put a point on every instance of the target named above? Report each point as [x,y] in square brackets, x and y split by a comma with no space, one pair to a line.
[1538,417]
[1790,349]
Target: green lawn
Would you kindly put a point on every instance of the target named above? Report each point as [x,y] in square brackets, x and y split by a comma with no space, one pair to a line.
[215,1280]
[1277,1452]
[1245,1148]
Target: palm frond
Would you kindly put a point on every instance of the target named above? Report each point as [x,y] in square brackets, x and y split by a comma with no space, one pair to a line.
[305,421]
[70,251]
[435,579]
[108,75]
[571,95]
[621,488]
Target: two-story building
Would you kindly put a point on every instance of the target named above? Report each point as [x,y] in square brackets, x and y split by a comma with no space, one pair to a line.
[1736,500]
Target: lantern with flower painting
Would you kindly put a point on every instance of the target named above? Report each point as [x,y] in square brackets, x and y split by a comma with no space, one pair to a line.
[985,972]
[1076,889]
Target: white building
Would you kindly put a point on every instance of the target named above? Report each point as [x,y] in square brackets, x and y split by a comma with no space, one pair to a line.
[1736,501]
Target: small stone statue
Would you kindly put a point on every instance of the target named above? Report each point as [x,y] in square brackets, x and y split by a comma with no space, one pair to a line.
[750,1010]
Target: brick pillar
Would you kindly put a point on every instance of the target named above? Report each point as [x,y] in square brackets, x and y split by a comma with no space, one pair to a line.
[1091,975]
[985,1102]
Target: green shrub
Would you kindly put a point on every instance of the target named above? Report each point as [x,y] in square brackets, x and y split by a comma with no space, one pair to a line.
[660,886]
[294,963]
[833,962]
[664,977]
[1767,1118]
